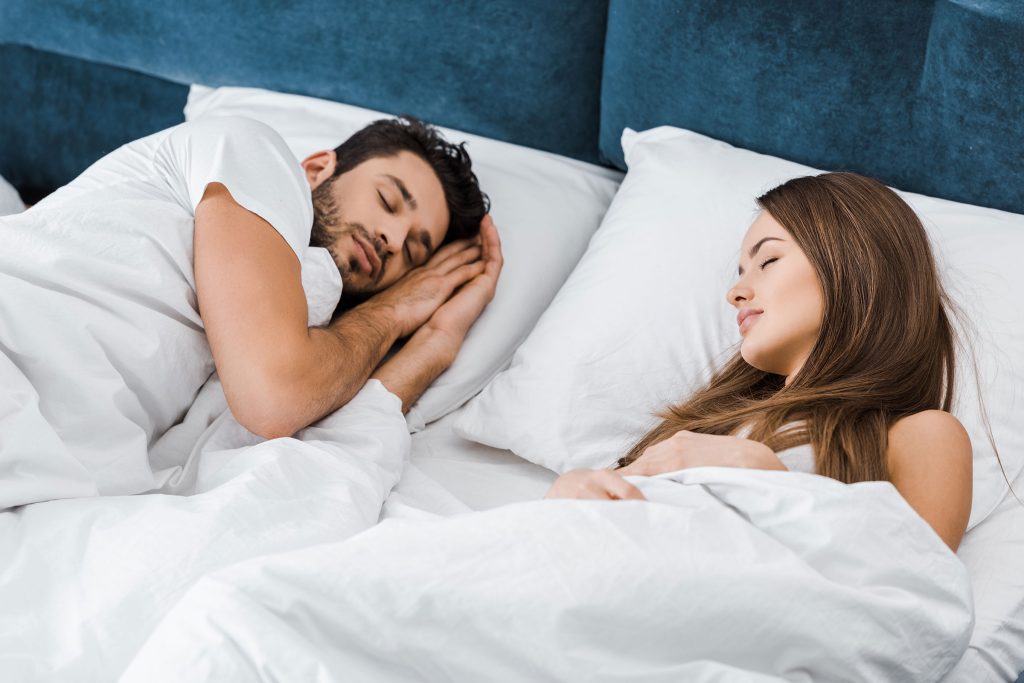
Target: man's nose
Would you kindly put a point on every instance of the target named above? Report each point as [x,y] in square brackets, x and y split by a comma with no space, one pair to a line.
[391,235]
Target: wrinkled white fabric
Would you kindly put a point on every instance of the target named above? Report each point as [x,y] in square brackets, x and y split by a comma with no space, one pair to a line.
[728,575]
[84,581]
[102,345]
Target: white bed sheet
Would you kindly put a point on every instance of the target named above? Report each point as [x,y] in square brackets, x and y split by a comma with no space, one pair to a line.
[449,475]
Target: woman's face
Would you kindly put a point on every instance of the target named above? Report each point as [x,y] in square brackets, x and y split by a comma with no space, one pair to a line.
[778,299]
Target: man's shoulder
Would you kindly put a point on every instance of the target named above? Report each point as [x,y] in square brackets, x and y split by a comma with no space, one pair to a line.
[228,127]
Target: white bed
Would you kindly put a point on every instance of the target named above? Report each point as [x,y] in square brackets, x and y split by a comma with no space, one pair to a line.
[449,475]
[146,588]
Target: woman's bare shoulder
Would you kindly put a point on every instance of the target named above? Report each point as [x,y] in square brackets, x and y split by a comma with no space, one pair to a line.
[930,463]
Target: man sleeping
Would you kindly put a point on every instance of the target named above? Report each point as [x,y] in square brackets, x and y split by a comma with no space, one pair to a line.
[182,253]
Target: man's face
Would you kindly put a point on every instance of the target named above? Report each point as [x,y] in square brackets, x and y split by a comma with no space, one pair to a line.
[380,220]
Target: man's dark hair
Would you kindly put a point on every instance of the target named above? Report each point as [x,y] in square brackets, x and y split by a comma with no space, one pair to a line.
[467,205]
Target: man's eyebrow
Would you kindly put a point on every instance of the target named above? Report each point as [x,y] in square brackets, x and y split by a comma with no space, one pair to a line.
[409,200]
[754,249]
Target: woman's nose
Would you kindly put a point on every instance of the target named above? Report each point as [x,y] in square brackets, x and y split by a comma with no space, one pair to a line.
[738,295]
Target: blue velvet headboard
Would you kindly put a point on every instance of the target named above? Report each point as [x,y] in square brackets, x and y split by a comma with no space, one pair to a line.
[926,95]
[527,71]
[923,94]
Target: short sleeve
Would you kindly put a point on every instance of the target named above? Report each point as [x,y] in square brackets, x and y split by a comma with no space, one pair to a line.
[251,160]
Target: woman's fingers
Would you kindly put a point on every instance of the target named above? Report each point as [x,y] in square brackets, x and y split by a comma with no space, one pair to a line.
[618,488]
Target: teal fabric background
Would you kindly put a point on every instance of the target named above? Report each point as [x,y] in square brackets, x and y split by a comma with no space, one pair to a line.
[926,95]
[527,71]
[60,114]
[923,94]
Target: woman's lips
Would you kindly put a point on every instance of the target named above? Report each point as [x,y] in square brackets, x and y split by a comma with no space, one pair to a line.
[746,318]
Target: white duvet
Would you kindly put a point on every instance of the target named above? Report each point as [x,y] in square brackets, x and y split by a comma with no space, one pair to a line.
[729,575]
[83,582]
[262,574]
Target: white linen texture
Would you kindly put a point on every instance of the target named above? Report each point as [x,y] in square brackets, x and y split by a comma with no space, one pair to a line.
[727,575]
[102,348]
[85,581]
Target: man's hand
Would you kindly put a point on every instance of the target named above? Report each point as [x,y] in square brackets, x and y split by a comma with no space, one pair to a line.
[418,295]
[453,319]
[594,485]
[434,346]
[689,449]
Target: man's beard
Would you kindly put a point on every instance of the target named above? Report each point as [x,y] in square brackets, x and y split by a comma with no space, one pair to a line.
[325,216]
[328,225]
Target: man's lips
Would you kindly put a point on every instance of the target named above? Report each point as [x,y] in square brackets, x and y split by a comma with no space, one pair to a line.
[368,258]
[747,317]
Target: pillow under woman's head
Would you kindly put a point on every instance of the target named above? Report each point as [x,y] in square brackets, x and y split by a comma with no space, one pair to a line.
[643,321]
[844,327]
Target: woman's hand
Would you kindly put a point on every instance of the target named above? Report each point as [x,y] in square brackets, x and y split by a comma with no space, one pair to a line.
[689,449]
[594,485]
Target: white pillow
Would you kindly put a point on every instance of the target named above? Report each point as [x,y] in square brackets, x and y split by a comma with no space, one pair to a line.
[643,318]
[10,201]
[546,208]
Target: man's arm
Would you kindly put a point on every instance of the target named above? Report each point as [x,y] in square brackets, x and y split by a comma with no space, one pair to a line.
[279,375]
[433,348]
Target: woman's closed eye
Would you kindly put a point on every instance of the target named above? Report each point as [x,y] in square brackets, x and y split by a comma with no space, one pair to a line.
[772,259]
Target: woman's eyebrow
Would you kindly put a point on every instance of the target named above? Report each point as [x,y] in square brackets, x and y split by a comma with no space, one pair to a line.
[754,249]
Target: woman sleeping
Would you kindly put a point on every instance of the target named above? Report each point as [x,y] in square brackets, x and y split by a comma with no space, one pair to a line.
[846,365]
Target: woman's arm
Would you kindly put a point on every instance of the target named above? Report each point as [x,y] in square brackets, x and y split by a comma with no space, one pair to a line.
[689,449]
[930,463]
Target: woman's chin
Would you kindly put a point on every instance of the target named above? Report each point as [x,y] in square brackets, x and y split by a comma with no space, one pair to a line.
[755,357]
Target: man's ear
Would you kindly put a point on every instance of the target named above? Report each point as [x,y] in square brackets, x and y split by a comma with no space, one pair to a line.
[319,166]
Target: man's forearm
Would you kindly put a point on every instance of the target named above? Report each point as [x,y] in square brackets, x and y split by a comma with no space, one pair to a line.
[410,372]
[352,348]
[329,367]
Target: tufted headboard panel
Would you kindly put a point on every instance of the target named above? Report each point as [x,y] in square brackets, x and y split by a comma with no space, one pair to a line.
[527,71]
[924,94]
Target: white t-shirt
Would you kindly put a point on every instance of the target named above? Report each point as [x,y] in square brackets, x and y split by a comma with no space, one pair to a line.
[101,345]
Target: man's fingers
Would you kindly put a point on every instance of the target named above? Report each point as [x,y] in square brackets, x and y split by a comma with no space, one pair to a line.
[491,241]
[461,258]
[451,248]
[494,261]
[464,274]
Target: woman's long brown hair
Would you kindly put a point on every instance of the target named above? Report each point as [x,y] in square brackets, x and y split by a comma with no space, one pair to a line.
[886,346]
